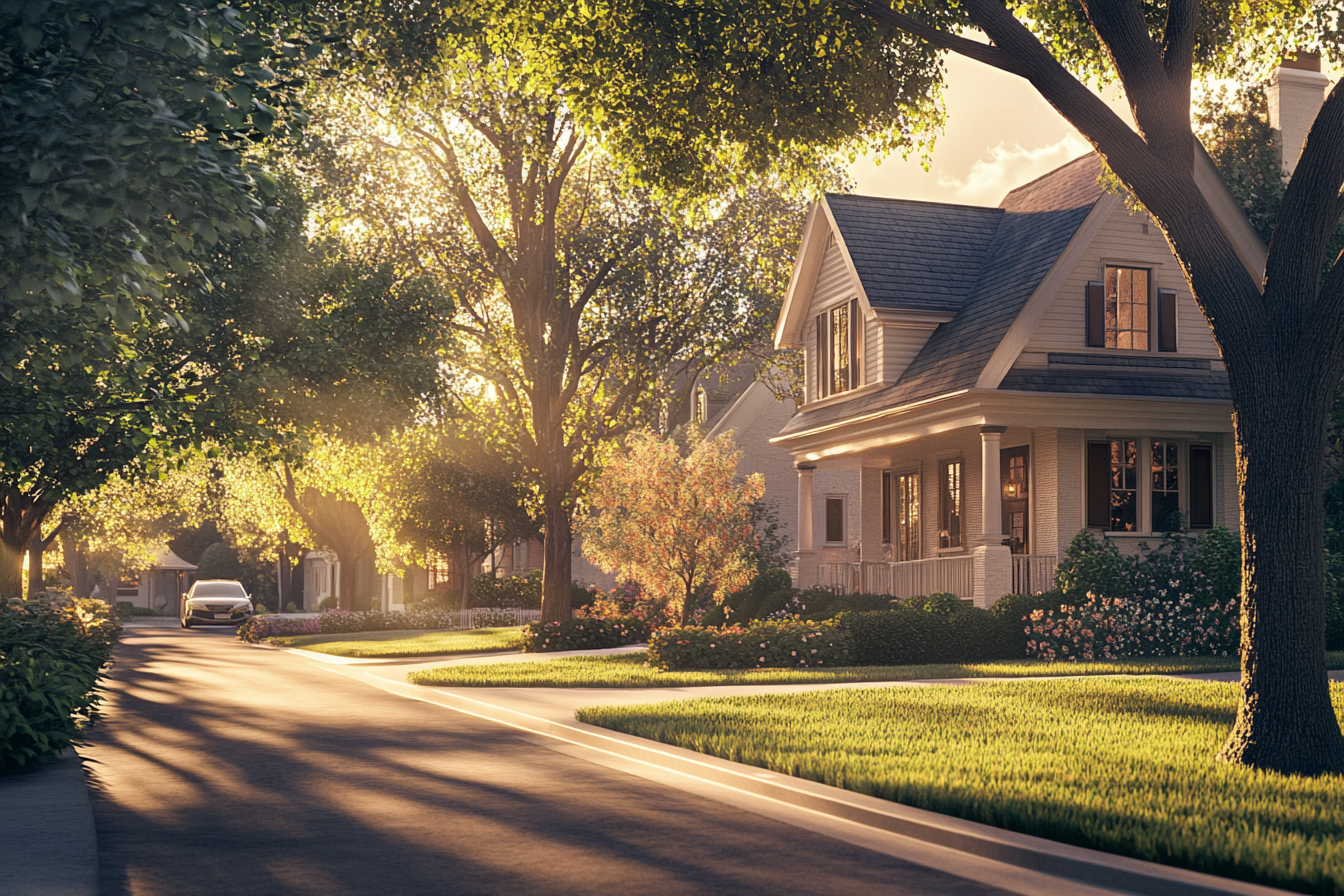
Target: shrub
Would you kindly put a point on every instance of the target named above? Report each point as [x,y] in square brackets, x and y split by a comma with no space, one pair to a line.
[51,657]
[1092,565]
[584,633]
[910,637]
[1218,557]
[259,628]
[219,561]
[1018,607]
[784,644]
[328,603]
[524,591]
[822,603]
[768,593]
[940,603]
[291,608]
[127,610]
[339,622]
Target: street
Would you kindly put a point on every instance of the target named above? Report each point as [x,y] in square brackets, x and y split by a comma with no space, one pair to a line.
[222,768]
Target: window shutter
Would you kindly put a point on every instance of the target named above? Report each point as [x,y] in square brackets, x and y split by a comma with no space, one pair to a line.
[1166,320]
[1096,315]
[1201,487]
[1099,485]
[823,365]
[855,344]
[886,507]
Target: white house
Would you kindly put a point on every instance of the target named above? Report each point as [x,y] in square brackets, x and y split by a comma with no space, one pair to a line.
[1000,378]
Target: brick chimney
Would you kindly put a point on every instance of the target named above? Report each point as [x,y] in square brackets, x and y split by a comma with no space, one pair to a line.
[1296,92]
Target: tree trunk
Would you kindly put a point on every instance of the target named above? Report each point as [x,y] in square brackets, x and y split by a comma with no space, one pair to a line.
[36,548]
[555,569]
[1286,722]
[11,570]
[76,560]
[20,518]
[463,564]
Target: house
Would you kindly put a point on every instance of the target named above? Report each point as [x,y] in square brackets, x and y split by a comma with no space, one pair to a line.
[1001,378]
[161,584]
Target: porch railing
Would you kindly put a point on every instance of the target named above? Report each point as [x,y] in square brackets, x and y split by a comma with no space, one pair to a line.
[1033,573]
[954,575]
[481,617]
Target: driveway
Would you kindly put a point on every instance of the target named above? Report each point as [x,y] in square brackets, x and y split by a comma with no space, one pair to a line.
[222,768]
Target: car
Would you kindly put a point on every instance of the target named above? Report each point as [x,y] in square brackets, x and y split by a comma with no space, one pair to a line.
[216,602]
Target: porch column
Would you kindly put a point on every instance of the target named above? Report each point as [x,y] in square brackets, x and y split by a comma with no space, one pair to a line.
[806,553]
[993,561]
[991,490]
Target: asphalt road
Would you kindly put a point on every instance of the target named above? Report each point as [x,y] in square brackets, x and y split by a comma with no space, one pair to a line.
[219,768]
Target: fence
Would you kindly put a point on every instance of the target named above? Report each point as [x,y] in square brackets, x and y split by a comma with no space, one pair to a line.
[953,575]
[1033,573]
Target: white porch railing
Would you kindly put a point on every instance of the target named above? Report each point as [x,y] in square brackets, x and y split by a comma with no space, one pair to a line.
[954,575]
[1033,573]
[479,617]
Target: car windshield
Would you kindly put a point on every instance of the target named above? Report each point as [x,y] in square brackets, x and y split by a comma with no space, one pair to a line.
[218,589]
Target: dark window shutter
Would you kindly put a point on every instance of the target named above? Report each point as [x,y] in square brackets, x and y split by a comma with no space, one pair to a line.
[855,372]
[886,507]
[822,365]
[1099,485]
[1201,487]
[1166,320]
[1096,315]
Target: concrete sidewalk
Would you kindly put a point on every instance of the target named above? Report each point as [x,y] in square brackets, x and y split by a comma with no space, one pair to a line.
[549,712]
[48,846]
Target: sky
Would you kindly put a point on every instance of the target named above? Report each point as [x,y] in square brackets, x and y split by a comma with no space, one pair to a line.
[1000,134]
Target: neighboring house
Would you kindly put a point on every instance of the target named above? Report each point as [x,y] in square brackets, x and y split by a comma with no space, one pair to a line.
[162,584]
[1000,378]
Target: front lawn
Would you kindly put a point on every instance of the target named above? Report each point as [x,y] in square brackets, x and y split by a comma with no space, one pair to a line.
[406,643]
[1122,765]
[627,670]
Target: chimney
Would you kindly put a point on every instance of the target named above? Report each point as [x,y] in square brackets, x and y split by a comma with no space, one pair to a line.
[1296,92]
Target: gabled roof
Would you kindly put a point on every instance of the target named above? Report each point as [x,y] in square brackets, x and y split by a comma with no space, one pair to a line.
[1033,225]
[942,248]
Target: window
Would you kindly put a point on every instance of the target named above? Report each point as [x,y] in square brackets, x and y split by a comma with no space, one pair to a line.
[1117,310]
[1166,510]
[835,520]
[886,507]
[1112,485]
[907,505]
[950,506]
[701,412]
[838,349]
[1201,486]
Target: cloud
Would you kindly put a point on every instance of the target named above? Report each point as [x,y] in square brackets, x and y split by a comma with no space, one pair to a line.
[990,179]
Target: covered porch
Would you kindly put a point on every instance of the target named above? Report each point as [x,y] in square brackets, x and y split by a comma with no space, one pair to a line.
[959,511]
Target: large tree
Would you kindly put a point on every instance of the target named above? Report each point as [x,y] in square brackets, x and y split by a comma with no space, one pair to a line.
[686,90]
[454,149]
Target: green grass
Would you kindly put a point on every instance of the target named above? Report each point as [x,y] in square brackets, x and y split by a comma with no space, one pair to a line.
[627,670]
[406,643]
[1122,765]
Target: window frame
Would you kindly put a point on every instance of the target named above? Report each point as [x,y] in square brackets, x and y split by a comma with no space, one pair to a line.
[1145,492]
[946,542]
[824,348]
[826,520]
[1161,304]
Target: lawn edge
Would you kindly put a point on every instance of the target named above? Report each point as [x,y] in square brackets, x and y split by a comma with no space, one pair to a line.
[1021,850]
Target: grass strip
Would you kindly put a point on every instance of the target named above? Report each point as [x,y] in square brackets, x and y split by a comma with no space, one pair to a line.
[406,643]
[627,670]
[1122,765]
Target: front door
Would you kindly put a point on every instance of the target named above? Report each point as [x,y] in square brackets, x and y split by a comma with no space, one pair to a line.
[1013,477]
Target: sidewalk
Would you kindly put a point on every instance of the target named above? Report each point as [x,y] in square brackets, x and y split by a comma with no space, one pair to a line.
[1017,862]
[48,846]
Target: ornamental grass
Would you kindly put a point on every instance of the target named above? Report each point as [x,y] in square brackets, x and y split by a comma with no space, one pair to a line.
[1121,765]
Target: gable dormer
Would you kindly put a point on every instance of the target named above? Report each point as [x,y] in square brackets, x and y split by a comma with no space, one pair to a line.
[874,278]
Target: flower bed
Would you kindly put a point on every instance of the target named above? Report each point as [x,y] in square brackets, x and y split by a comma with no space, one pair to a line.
[51,658]
[584,633]
[788,644]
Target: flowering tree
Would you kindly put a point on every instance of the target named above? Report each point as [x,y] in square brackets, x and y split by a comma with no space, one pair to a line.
[679,526]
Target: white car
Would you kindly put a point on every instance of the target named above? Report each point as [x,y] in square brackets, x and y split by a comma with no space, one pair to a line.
[215,602]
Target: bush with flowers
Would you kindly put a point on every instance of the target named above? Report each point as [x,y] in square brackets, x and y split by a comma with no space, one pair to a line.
[338,622]
[584,633]
[1172,609]
[783,644]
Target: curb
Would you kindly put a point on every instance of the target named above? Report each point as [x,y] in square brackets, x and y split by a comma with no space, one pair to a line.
[49,847]
[1021,850]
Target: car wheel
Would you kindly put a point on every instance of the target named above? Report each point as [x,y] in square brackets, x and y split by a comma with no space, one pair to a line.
[186,623]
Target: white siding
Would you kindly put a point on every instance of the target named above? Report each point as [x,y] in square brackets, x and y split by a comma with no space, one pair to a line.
[834,286]
[1071,481]
[873,361]
[899,347]
[1121,240]
[1044,485]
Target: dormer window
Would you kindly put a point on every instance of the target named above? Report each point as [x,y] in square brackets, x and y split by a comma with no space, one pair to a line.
[838,347]
[1123,313]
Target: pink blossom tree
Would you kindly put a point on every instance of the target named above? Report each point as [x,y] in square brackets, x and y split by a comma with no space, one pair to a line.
[679,526]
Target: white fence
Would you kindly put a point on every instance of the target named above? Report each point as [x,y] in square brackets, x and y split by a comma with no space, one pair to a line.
[1033,573]
[493,617]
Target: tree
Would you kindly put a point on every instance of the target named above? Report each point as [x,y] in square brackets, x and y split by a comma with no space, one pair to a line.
[682,527]
[454,150]
[686,91]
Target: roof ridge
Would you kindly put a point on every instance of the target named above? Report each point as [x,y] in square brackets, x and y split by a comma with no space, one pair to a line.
[1049,174]
[903,201]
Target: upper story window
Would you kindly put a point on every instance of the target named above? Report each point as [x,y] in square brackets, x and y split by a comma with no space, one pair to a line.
[838,349]
[1124,313]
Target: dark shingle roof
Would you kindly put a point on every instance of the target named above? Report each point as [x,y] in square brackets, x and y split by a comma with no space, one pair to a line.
[1033,225]
[918,256]
[1210,386]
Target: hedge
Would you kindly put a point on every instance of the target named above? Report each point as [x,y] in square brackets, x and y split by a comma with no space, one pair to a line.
[51,658]
[912,637]
[766,645]
[584,633]
[338,622]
